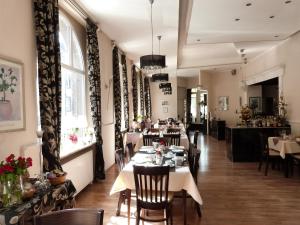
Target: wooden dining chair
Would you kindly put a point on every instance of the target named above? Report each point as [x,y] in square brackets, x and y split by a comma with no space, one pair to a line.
[193,159]
[129,151]
[267,154]
[76,216]
[295,160]
[152,192]
[173,130]
[172,139]
[148,139]
[154,130]
[196,134]
[126,194]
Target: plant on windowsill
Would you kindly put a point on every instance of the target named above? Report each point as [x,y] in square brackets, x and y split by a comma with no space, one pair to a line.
[73,137]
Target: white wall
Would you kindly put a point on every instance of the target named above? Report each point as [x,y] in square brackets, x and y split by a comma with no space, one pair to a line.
[107,110]
[17,41]
[157,97]
[287,54]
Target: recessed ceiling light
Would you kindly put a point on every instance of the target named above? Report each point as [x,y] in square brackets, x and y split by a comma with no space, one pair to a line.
[237,19]
[249,4]
[271,17]
[198,40]
[276,36]
[242,50]
[287,2]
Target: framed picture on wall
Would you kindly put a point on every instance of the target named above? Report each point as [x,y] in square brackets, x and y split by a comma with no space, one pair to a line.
[223,103]
[12,110]
[255,104]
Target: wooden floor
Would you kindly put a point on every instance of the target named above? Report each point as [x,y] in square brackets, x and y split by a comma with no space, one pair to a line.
[233,193]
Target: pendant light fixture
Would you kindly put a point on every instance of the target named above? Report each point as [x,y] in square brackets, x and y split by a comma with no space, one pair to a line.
[150,63]
[160,74]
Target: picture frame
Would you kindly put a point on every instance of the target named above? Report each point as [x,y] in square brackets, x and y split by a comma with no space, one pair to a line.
[164,102]
[255,104]
[12,104]
[223,103]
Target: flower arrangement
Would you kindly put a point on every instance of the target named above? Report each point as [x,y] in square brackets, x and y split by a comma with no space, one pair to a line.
[245,114]
[12,171]
[12,167]
[73,135]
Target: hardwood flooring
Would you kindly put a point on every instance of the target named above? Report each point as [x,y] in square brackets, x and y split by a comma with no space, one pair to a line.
[233,193]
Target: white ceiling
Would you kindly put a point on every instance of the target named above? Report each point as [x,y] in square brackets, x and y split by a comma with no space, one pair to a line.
[207,32]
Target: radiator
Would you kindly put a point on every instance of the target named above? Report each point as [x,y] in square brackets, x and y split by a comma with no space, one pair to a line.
[80,169]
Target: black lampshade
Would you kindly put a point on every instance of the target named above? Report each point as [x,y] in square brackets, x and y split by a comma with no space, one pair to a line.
[152,62]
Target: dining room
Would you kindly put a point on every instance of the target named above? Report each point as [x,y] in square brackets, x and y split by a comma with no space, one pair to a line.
[98,98]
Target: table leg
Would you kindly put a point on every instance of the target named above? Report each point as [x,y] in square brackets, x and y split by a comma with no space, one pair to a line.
[287,165]
[128,193]
[184,206]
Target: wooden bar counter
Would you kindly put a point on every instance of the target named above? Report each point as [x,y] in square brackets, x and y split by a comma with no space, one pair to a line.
[243,143]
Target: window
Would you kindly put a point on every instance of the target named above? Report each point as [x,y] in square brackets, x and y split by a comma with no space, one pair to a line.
[73,97]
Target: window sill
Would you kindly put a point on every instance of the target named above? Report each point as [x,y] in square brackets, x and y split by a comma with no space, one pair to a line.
[71,151]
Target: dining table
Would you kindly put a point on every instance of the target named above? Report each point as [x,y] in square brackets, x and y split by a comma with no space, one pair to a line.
[286,147]
[180,177]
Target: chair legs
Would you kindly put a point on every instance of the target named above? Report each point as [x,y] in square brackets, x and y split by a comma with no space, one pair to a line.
[267,166]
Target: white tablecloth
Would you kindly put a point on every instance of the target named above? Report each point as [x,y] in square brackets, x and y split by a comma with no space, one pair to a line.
[184,141]
[178,180]
[283,146]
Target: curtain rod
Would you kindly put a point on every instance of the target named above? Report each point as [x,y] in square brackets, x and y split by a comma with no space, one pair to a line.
[77,8]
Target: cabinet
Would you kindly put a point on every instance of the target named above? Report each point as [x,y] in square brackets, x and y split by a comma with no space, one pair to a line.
[217,129]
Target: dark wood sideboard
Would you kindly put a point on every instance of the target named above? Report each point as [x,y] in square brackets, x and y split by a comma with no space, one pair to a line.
[243,143]
[217,129]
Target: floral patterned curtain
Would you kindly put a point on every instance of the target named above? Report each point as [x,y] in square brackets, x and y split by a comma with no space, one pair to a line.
[147,97]
[125,91]
[117,98]
[188,106]
[142,102]
[49,75]
[95,93]
[134,92]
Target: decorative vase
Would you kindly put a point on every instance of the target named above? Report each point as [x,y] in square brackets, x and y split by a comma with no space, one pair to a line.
[5,110]
[12,190]
[7,194]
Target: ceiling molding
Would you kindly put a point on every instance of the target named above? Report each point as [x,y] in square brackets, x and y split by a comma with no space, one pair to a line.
[185,12]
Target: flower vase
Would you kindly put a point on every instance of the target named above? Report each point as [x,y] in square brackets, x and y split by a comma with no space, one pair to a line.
[18,190]
[7,192]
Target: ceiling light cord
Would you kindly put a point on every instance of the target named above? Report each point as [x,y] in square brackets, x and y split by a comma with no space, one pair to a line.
[151,26]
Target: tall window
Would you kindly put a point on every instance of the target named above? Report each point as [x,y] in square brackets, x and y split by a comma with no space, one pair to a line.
[73,79]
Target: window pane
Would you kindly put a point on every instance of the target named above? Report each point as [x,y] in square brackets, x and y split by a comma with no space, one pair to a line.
[76,54]
[65,40]
[73,100]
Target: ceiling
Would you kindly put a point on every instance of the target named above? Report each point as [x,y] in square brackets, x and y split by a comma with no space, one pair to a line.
[197,34]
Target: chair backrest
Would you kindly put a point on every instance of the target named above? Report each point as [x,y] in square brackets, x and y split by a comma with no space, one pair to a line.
[193,158]
[196,134]
[172,139]
[129,149]
[173,130]
[74,216]
[154,130]
[148,139]
[263,141]
[152,186]
[120,158]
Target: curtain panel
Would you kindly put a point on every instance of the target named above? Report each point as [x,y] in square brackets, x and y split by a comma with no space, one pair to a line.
[142,101]
[125,91]
[188,106]
[117,98]
[46,22]
[147,97]
[134,92]
[94,77]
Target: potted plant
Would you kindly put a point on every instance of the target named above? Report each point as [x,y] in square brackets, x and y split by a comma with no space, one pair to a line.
[8,83]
